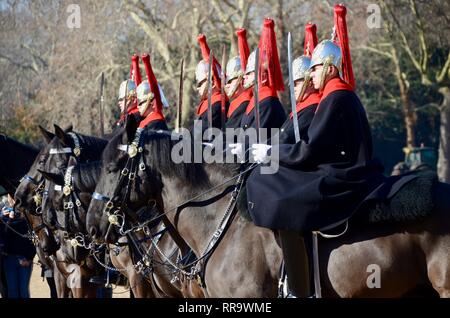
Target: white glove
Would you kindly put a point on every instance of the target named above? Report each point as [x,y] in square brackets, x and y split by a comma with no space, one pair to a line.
[208,144]
[236,149]
[259,152]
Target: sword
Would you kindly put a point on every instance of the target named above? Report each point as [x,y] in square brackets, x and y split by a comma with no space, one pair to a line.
[291,90]
[222,88]
[102,99]
[180,99]
[209,86]
[255,95]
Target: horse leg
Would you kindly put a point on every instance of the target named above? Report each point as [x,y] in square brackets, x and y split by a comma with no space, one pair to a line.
[60,281]
[438,249]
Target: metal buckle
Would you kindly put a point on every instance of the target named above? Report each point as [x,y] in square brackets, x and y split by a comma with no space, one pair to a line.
[78,203]
[217,233]
[132,176]
[125,171]
[68,205]
[142,166]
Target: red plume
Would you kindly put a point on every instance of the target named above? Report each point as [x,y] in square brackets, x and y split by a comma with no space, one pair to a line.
[269,63]
[310,39]
[244,50]
[135,72]
[341,31]
[205,54]
[157,105]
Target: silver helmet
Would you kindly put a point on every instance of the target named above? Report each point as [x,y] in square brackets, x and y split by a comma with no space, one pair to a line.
[201,72]
[300,67]
[234,70]
[144,92]
[250,63]
[327,53]
[128,88]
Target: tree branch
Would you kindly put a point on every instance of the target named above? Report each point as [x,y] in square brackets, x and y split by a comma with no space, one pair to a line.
[421,35]
[444,71]
[375,50]
[406,44]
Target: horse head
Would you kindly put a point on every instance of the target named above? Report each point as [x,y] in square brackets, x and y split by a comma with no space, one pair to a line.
[121,179]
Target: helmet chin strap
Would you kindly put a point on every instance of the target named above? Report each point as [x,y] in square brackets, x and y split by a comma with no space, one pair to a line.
[305,85]
[323,76]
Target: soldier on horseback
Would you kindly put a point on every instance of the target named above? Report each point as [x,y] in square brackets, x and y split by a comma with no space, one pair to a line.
[270,81]
[321,181]
[306,96]
[201,76]
[127,101]
[234,88]
[151,100]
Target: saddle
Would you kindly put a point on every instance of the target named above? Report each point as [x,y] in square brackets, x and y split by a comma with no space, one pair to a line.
[412,201]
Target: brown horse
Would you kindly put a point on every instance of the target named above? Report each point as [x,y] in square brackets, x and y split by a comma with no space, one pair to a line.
[404,255]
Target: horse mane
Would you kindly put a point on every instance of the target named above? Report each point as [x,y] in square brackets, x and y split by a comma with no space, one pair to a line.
[157,156]
[158,149]
[86,176]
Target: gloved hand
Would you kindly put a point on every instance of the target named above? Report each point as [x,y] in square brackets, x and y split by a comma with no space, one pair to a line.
[237,149]
[260,152]
[208,144]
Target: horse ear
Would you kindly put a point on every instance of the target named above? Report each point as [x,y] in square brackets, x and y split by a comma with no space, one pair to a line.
[131,127]
[69,129]
[48,136]
[53,177]
[61,134]
[72,161]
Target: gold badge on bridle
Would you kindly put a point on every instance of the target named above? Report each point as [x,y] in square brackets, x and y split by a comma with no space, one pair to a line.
[66,190]
[132,150]
[37,199]
[77,151]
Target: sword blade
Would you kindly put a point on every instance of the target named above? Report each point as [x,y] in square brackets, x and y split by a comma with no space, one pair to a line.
[291,90]
[180,99]
[222,88]
[255,95]
[210,67]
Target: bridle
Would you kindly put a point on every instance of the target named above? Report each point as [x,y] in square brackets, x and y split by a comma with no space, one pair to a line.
[116,212]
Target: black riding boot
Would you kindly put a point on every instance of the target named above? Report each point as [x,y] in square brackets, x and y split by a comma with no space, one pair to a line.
[296,263]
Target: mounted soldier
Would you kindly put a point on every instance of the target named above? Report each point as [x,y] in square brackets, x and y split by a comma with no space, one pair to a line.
[306,96]
[322,181]
[234,86]
[151,100]
[270,81]
[201,75]
[127,101]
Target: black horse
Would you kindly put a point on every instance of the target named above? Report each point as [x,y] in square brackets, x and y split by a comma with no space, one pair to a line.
[407,249]
[15,160]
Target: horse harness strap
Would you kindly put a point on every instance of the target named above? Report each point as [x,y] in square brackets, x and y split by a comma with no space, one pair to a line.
[76,150]
[230,212]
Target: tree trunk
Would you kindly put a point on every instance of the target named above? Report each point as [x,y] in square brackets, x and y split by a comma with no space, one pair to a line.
[410,116]
[443,167]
